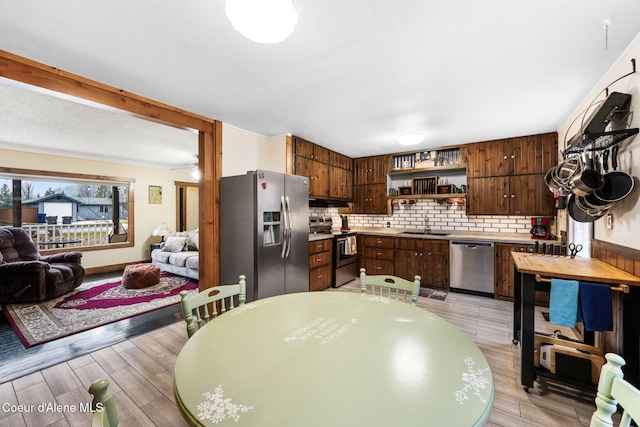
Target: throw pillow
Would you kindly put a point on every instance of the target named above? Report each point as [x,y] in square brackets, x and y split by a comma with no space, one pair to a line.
[193,240]
[174,244]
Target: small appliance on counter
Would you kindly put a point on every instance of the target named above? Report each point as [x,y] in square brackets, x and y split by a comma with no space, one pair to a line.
[540,228]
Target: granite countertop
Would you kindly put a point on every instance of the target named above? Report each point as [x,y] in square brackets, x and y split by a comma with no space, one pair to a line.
[516,238]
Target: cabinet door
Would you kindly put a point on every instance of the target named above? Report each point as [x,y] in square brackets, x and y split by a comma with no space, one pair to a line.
[434,270]
[320,278]
[310,150]
[491,158]
[371,170]
[340,160]
[405,263]
[340,183]
[425,258]
[529,195]
[535,154]
[488,196]
[504,272]
[317,173]
[379,170]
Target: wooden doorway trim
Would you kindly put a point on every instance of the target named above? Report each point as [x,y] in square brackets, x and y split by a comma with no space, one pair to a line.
[24,70]
[181,205]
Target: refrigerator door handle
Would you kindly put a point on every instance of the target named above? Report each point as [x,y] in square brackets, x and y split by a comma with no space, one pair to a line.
[288,225]
[285,232]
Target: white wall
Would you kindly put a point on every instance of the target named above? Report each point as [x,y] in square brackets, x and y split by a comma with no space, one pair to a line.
[626,214]
[147,216]
[243,151]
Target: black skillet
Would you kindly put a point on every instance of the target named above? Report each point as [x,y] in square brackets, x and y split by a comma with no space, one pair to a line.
[580,215]
[617,184]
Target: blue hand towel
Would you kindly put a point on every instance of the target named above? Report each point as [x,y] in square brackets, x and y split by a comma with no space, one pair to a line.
[563,303]
[595,303]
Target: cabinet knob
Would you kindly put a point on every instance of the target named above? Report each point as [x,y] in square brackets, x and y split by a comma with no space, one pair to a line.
[505,157]
[513,196]
[505,196]
[513,156]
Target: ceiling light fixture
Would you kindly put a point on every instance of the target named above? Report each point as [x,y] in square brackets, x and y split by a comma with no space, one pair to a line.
[263,21]
[411,138]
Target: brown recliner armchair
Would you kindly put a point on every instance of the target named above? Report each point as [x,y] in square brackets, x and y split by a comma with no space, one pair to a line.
[25,276]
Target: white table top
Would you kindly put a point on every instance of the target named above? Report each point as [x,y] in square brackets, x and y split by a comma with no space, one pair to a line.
[332,359]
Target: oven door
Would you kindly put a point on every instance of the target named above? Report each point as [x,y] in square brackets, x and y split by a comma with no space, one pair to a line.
[342,253]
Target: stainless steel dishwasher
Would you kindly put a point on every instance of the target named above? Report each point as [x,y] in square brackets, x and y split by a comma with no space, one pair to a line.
[471,267]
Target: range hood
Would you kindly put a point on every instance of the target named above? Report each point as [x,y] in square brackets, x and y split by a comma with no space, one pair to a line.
[328,203]
[614,109]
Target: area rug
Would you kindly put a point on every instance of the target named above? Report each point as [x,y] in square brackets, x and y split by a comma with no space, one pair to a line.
[433,293]
[89,305]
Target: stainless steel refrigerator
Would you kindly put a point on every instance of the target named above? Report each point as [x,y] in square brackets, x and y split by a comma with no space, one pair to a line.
[264,232]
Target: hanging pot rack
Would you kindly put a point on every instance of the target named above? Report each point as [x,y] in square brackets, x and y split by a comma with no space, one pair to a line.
[599,141]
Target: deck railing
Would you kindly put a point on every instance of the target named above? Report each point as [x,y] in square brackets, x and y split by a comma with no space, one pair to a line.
[90,233]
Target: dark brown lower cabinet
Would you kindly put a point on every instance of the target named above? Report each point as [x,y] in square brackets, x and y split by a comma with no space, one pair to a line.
[320,264]
[426,258]
[504,274]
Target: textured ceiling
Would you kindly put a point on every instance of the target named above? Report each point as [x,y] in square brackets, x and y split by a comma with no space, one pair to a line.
[353,75]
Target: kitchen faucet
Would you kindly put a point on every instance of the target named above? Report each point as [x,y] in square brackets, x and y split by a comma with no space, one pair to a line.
[427,229]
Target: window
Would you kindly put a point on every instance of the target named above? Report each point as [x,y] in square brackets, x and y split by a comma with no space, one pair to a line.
[63,210]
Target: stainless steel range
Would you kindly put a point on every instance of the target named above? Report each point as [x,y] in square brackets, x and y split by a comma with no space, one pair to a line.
[345,251]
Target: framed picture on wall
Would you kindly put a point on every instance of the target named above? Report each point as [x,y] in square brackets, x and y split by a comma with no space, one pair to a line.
[155,195]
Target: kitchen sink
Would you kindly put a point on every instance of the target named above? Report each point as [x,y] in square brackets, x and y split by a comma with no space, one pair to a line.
[425,233]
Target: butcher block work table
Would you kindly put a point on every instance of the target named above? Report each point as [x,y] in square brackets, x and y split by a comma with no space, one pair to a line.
[531,269]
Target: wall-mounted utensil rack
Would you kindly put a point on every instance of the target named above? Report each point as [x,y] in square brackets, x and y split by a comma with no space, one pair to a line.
[599,141]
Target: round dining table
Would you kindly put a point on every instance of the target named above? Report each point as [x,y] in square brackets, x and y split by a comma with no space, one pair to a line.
[332,359]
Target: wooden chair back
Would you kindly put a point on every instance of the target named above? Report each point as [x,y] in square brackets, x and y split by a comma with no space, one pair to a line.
[390,286]
[202,307]
[103,405]
[614,390]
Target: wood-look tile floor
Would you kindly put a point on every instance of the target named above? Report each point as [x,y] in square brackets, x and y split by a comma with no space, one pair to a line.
[140,371]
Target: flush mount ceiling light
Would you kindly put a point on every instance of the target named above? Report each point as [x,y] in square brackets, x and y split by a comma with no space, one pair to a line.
[263,21]
[411,138]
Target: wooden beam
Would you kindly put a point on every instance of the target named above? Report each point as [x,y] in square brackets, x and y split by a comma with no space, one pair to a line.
[33,73]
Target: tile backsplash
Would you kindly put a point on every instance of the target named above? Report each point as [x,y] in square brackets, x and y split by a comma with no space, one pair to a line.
[439,217]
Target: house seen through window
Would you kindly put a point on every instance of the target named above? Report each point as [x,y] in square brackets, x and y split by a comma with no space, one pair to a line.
[64,212]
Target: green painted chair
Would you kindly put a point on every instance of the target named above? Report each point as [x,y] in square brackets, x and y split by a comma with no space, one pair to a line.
[202,307]
[390,286]
[614,390]
[103,405]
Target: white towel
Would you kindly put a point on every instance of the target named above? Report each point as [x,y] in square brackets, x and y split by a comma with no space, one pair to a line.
[351,246]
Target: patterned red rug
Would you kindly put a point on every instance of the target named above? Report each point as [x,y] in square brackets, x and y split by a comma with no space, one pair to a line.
[91,304]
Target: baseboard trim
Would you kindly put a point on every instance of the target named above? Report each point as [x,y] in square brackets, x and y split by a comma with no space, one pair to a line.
[110,268]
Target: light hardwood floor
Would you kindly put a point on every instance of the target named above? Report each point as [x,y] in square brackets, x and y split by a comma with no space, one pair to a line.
[140,370]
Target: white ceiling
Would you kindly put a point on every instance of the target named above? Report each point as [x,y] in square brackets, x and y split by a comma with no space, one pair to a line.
[354,74]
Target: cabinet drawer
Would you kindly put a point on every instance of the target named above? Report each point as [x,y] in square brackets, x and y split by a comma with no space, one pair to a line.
[320,246]
[379,242]
[378,266]
[379,253]
[320,278]
[319,259]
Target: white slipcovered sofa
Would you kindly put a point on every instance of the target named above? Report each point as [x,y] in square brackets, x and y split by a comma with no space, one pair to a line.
[179,254]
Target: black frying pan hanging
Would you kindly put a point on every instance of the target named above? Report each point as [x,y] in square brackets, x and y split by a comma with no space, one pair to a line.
[580,215]
[617,184]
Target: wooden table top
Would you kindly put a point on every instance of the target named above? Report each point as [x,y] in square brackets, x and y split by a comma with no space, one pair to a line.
[578,268]
[319,359]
